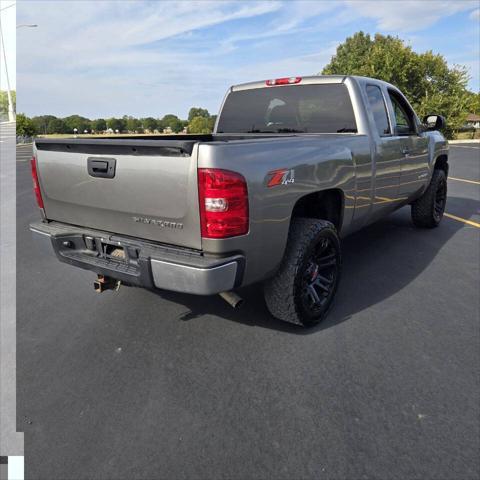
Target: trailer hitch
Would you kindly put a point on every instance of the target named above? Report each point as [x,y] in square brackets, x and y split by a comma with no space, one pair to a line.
[106,283]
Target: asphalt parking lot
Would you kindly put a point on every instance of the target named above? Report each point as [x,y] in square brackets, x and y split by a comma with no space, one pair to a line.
[143,385]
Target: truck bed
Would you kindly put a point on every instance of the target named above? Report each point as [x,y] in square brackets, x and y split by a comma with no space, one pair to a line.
[152,193]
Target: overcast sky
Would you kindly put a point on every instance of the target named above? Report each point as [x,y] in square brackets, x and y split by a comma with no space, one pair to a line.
[107,58]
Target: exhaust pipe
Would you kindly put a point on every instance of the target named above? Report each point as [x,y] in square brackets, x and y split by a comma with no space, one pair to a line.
[234,300]
[105,283]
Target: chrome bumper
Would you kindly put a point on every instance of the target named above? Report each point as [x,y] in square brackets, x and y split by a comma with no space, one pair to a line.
[200,281]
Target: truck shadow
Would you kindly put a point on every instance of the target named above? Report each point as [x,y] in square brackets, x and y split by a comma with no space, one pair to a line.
[378,261]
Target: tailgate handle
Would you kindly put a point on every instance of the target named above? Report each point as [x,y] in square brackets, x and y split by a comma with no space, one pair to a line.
[101,167]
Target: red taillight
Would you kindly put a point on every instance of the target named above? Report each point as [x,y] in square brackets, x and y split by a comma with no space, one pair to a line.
[283,81]
[223,200]
[36,185]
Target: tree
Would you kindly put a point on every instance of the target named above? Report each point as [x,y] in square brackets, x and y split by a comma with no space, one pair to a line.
[425,78]
[173,122]
[116,124]
[197,112]
[473,103]
[149,124]
[177,126]
[211,122]
[99,125]
[199,125]
[160,125]
[42,123]
[56,125]
[4,102]
[25,126]
[133,124]
[76,122]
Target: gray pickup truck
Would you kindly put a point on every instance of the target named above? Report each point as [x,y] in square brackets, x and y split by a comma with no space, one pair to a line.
[293,165]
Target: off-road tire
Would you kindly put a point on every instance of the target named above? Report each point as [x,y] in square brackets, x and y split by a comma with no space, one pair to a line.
[283,291]
[426,212]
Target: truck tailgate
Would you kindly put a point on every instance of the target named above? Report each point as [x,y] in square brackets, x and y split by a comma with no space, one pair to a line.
[152,194]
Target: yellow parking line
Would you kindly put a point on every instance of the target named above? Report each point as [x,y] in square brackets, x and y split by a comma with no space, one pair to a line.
[464,180]
[465,146]
[463,220]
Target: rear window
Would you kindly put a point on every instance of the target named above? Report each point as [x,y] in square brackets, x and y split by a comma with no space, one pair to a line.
[289,109]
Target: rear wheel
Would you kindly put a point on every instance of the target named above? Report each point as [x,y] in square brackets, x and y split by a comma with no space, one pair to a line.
[303,289]
[427,211]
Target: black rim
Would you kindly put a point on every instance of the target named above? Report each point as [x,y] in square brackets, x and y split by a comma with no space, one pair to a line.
[320,277]
[440,200]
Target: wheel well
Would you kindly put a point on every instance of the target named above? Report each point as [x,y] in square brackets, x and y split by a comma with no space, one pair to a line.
[324,205]
[441,163]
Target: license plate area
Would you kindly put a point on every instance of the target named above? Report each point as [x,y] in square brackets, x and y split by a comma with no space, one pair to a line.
[114,252]
[110,250]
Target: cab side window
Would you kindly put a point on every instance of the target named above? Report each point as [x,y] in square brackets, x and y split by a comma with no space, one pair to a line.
[404,116]
[379,109]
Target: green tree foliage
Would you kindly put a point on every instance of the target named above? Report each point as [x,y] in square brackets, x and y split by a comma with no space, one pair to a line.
[150,124]
[49,124]
[200,121]
[25,126]
[177,126]
[160,125]
[116,124]
[99,125]
[57,125]
[197,112]
[199,125]
[211,122]
[133,124]
[173,122]
[76,122]
[4,102]
[42,124]
[425,78]
[473,102]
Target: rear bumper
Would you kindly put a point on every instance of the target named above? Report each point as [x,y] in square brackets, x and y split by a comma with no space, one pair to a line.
[144,264]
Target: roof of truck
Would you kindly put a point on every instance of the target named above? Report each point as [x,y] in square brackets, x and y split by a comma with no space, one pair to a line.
[307,80]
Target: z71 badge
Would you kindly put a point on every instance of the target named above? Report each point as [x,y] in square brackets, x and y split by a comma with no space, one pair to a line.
[282,176]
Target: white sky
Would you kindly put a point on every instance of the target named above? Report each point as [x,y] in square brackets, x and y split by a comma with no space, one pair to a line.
[8,25]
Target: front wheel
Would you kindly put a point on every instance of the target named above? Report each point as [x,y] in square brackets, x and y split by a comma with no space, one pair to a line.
[427,211]
[303,289]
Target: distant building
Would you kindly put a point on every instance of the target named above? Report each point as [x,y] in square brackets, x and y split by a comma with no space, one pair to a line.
[167,130]
[473,120]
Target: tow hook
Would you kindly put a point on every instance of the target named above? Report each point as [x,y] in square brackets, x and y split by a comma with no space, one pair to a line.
[234,300]
[106,283]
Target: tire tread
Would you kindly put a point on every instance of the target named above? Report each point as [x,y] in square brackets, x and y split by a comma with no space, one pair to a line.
[423,207]
[280,291]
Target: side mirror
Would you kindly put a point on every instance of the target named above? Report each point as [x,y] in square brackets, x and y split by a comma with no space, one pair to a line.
[434,122]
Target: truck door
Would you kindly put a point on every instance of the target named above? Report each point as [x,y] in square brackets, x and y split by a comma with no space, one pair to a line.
[387,155]
[414,164]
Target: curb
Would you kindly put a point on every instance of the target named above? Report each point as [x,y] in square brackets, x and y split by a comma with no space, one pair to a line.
[453,142]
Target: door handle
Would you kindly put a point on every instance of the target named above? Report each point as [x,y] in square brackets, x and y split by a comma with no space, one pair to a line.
[101,167]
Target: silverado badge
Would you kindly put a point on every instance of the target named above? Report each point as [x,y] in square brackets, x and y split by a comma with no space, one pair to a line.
[159,223]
